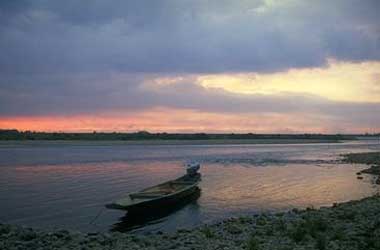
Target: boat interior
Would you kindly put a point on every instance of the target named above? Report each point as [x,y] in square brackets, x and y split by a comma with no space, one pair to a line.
[161,190]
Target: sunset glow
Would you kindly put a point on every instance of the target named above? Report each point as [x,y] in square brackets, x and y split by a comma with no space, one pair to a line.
[185,121]
[341,81]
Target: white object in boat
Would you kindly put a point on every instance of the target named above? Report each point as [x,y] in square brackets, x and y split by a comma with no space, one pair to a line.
[192,168]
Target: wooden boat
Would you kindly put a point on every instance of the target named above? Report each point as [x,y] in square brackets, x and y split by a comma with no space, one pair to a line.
[131,221]
[161,196]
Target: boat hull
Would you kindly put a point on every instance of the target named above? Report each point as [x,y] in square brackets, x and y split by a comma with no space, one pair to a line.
[162,203]
[131,221]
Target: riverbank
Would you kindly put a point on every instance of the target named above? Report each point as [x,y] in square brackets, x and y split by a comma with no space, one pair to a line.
[351,225]
[370,158]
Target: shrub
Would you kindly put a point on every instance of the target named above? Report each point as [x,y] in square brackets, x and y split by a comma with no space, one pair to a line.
[207,232]
[321,241]
[261,221]
[298,233]
[253,243]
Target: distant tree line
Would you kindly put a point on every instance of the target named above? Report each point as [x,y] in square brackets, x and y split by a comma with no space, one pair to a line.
[144,135]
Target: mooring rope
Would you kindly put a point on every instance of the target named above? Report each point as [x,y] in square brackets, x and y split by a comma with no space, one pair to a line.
[97,216]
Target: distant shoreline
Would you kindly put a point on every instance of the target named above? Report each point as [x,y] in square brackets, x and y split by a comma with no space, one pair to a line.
[170,142]
[13,134]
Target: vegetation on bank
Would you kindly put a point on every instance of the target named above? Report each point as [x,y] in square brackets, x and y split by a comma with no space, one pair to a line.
[143,135]
[350,226]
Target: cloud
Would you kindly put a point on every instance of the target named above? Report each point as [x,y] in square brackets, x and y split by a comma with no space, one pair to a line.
[71,58]
[340,81]
[124,93]
[184,36]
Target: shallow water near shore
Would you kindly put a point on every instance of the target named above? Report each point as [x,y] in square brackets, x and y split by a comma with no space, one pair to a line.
[53,185]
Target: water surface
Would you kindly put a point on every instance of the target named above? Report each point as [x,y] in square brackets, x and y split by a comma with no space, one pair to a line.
[65,185]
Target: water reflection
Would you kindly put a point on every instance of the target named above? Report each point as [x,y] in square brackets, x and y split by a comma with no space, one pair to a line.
[66,186]
[134,221]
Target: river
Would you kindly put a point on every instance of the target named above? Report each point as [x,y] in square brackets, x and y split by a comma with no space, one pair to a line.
[64,185]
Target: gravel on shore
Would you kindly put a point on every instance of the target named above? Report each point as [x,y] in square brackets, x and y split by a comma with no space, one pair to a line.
[351,225]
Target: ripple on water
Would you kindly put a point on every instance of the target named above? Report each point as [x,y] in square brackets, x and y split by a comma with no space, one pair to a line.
[66,187]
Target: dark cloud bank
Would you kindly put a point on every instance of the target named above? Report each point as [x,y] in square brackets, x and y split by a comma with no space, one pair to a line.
[184,36]
[70,57]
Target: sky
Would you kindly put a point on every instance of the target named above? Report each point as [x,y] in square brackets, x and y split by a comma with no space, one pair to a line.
[217,66]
